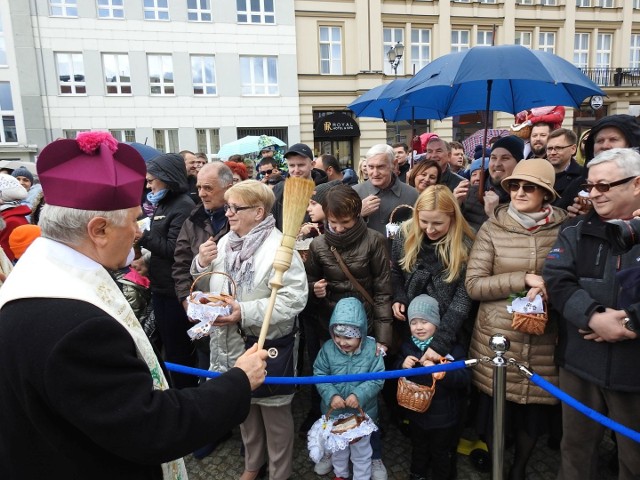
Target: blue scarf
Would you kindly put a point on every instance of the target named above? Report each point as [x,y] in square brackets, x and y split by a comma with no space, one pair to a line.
[421,344]
[155,198]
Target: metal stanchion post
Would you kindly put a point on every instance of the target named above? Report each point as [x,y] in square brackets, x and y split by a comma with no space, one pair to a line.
[500,345]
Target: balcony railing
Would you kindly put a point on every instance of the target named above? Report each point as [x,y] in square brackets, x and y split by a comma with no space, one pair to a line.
[613,77]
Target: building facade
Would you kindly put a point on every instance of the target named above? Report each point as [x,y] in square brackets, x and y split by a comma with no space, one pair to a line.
[347,56]
[188,74]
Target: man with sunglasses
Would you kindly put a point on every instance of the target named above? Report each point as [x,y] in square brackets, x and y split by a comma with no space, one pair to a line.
[561,149]
[599,322]
[266,167]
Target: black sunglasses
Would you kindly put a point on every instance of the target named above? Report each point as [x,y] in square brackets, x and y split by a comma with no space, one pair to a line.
[526,187]
[605,187]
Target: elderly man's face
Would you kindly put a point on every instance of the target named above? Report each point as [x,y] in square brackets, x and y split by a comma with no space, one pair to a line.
[620,201]
[118,240]
[210,191]
[437,150]
[379,170]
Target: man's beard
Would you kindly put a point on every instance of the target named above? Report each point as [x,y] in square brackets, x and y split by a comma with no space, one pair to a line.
[539,150]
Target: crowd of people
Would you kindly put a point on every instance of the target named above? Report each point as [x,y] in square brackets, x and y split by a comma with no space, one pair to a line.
[543,221]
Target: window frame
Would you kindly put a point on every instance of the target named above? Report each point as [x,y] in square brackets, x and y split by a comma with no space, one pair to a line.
[525,32]
[455,46]
[544,46]
[68,8]
[157,11]
[418,47]
[168,136]
[390,38]
[119,83]
[73,83]
[601,51]
[268,63]
[334,64]
[161,83]
[202,70]
[258,17]
[485,34]
[635,49]
[199,11]
[210,144]
[578,50]
[7,116]
[110,8]
[123,134]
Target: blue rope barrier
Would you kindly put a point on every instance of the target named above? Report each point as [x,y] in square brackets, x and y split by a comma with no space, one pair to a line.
[589,412]
[356,377]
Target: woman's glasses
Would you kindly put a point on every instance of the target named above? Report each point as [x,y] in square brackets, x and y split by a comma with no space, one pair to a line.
[526,187]
[603,187]
[236,208]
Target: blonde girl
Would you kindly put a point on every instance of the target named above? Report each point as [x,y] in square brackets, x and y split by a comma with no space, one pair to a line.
[429,256]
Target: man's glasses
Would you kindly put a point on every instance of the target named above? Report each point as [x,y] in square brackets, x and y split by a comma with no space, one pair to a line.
[526,187]
[603,187]
[236,208]
[558,149]
[266,173]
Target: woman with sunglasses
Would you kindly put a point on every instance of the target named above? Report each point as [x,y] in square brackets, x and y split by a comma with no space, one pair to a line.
[247,254]
[507,259]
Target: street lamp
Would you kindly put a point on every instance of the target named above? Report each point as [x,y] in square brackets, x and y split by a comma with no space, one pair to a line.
[395,55]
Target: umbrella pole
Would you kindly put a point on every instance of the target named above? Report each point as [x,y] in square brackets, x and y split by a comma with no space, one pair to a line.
[484,142]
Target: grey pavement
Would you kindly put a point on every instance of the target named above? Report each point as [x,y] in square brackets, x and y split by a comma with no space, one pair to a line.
[226,463]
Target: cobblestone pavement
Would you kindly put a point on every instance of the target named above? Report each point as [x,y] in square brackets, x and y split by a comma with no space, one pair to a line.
[226,463]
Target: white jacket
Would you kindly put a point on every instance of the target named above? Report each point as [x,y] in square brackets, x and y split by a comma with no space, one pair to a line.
[226,342]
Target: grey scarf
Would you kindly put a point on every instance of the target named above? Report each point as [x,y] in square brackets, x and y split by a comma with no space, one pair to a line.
[239,252]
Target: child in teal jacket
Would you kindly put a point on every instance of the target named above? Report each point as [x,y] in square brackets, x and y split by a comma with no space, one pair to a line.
[350,351]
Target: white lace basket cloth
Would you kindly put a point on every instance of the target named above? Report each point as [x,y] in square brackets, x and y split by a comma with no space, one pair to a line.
[207,307]
[322,437]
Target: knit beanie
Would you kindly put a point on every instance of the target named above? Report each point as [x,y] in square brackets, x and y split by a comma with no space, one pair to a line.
[21,237]
[426,308]
[320,191]
[10,189]
[515,146]
[23,172]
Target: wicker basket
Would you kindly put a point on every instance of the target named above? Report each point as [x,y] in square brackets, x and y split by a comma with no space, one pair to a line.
[521,130]
[416,397]
[393,226]
[216,299]
[531,323]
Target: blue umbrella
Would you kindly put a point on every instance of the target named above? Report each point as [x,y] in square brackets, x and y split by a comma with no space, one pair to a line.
[506,78]
[146,152]
[379,102]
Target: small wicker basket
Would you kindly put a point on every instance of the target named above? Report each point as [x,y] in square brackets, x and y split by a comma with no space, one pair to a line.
[531,323]
[393,226]
[215,299]
[416,397]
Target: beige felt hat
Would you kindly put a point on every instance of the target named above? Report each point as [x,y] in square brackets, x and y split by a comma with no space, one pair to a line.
[537,171]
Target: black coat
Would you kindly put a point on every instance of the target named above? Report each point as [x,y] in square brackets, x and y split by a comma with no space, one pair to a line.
[78,403]
[445,405]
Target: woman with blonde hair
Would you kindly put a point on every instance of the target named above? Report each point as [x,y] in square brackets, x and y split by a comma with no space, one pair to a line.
[363,175]
[429,255]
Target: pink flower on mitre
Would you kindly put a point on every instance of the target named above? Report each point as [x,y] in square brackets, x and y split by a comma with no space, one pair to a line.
[90,141]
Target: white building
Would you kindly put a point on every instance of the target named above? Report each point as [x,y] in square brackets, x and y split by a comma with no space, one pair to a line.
[175,74]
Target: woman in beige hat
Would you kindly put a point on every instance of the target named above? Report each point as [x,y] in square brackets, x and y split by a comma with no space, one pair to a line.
[507,259]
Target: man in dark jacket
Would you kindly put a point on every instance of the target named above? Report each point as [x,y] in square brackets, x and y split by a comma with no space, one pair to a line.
[598,332]
[167,179]
[561,148]
[505,154]
[86,397]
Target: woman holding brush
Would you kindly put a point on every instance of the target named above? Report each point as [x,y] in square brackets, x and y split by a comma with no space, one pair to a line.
[247,254]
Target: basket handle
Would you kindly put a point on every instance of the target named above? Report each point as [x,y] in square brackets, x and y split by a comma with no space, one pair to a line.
[202,275]
[402,205]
